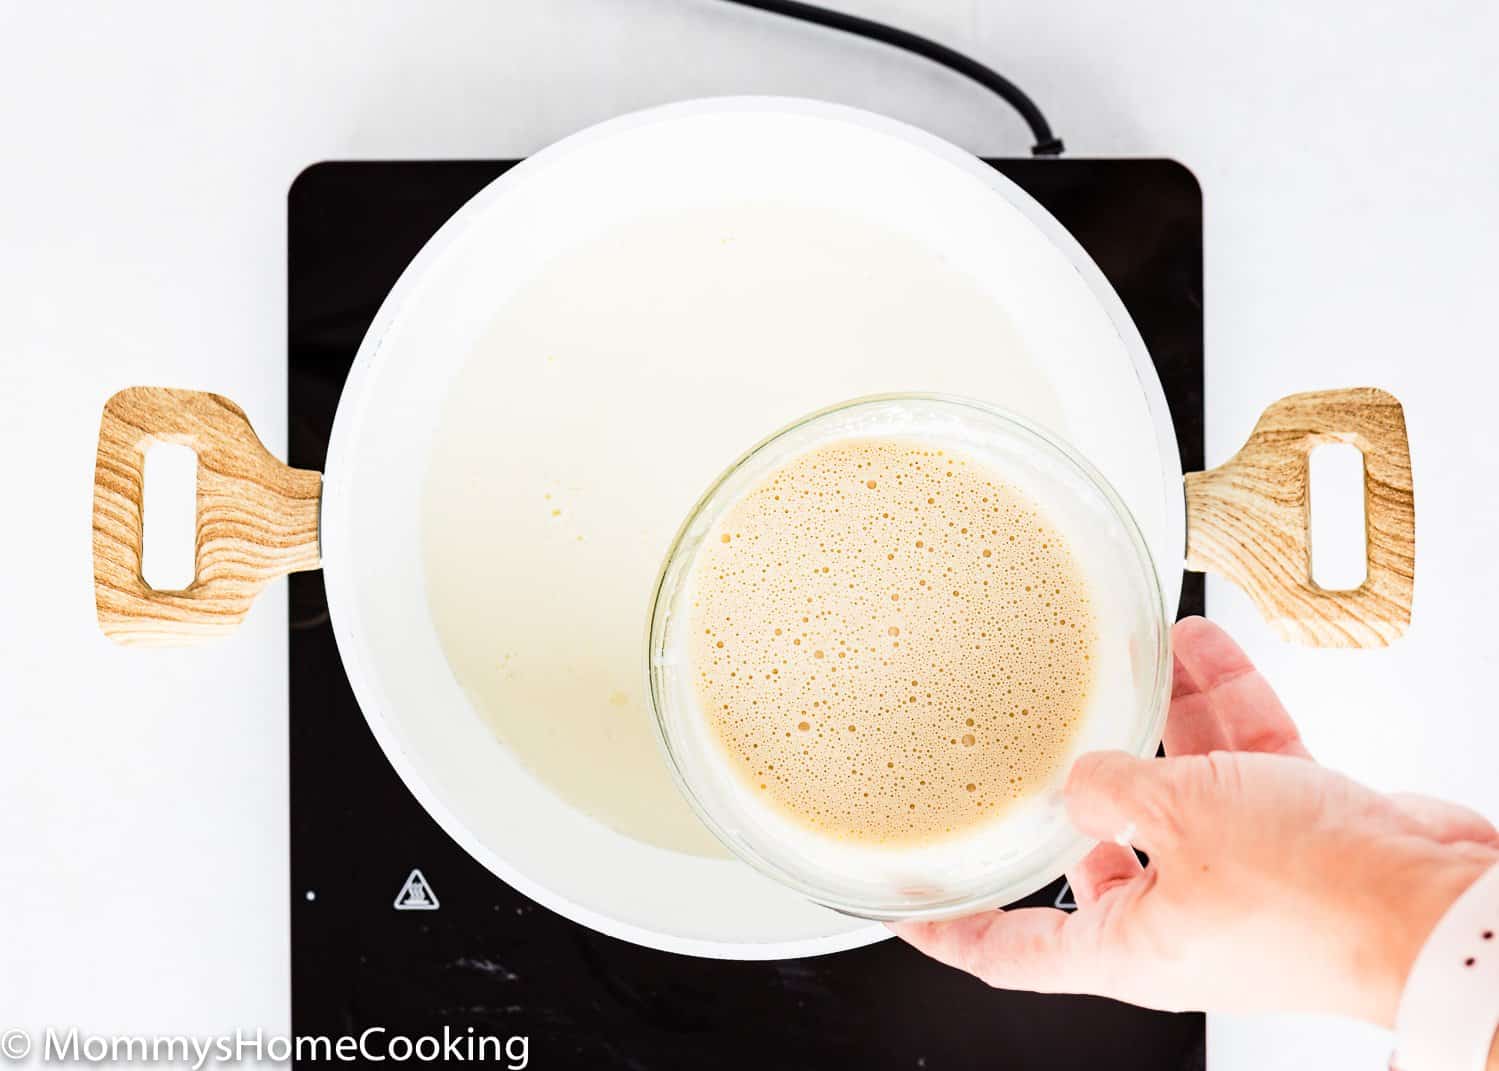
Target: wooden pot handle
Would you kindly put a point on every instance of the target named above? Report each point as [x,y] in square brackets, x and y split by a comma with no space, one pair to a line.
[1249,520]
[257,518]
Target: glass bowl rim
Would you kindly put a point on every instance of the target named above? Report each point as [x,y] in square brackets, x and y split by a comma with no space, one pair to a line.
[1014,886]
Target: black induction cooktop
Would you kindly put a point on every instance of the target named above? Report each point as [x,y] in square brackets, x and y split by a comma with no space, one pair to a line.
[376,945]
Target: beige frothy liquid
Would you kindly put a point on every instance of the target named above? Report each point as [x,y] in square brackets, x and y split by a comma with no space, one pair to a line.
[890,643]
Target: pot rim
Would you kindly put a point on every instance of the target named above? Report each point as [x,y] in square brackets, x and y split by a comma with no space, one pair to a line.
[349,430]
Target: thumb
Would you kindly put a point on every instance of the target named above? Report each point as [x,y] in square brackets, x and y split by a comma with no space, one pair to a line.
[1117,797]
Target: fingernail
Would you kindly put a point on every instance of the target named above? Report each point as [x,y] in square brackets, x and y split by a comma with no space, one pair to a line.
[1125,836]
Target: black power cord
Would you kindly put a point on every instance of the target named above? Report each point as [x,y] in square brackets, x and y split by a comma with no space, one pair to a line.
[1047,143]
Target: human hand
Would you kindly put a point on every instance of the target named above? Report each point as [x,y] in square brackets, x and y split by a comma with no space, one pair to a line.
[1274,884]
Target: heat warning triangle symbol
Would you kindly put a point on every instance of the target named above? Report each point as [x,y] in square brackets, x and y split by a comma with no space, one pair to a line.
[1065,898]
[416,894]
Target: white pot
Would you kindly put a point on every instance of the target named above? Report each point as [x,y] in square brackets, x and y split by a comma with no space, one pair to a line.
[658,430]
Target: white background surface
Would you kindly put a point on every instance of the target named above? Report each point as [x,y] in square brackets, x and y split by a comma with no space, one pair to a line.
[1349,160]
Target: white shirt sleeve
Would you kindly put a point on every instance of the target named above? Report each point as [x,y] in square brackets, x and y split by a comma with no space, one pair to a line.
[1449,1011]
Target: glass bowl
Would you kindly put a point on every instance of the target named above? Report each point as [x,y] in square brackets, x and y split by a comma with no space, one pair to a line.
[1030,842]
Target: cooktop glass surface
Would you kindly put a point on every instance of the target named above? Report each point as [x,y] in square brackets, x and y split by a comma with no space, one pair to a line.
[395,927]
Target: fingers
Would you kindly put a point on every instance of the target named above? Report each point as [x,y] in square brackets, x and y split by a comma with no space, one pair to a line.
[1443,821]
[1192,725]
[1025,948]
[1116,797]
[1219,701]
[1106,867]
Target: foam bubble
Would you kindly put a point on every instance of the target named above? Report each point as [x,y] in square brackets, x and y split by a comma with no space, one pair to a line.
[890,643]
